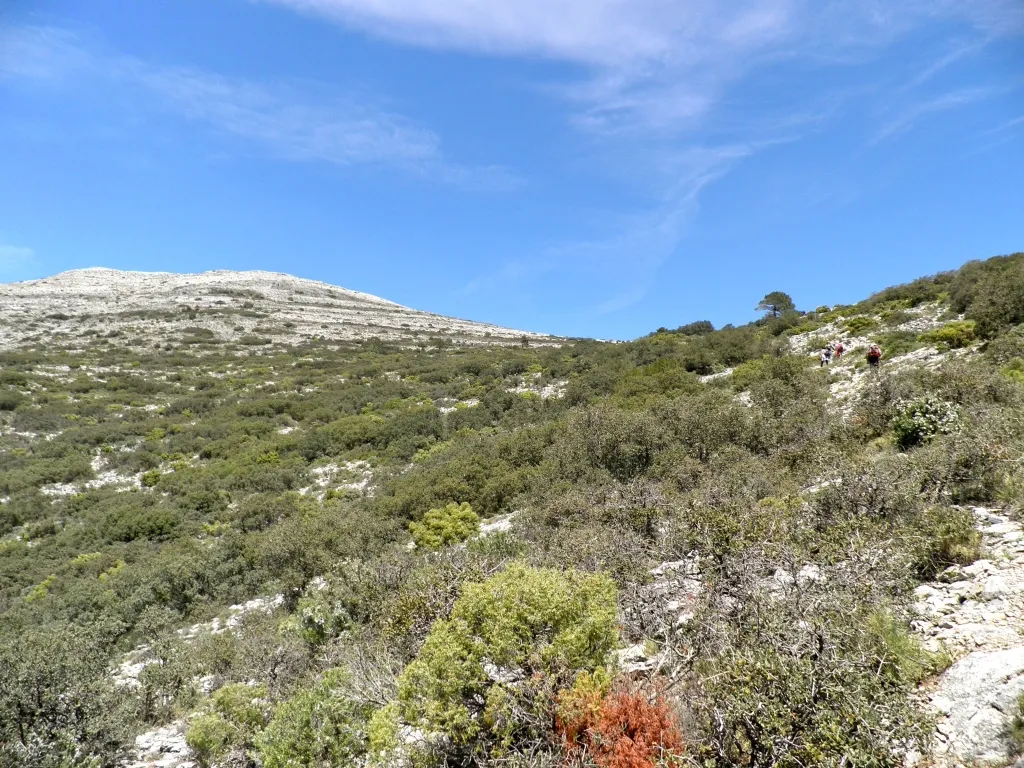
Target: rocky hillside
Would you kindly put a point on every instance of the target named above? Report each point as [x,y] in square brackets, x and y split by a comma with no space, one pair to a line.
[701,547]
[255,309]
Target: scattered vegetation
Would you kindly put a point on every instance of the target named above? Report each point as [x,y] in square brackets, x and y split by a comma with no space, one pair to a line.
[144,494]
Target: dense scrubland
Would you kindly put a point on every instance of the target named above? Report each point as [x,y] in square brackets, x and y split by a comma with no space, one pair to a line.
[751,541]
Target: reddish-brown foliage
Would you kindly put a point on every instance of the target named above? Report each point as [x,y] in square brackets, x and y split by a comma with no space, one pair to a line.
[619,730]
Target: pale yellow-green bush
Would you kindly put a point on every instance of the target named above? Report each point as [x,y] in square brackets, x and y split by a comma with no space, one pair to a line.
[509,639]
[449,525]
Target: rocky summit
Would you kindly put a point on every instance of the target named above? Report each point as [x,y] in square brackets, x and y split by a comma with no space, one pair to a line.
[253,308]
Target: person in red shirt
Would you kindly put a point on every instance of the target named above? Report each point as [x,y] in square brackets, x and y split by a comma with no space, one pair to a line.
[874,355]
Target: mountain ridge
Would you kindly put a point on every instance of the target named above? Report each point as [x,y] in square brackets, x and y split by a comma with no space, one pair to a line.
[233,306]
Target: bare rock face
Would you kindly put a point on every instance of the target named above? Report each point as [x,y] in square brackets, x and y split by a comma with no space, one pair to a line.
[163,748]
[976,613]
[980,694]
[146,308]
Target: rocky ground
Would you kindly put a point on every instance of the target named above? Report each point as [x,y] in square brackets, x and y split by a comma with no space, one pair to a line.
[163,748]
[141,309]
[849,378]
[976,614]
[923,318]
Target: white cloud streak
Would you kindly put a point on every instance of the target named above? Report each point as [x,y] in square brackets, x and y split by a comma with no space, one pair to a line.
[658,65]
[642,243]
[1009,125]
[943,103]
[636,33]
[39,53]
[290,120]
[343,132]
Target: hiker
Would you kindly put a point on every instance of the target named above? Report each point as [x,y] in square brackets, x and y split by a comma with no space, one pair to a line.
[874,355]
[825,357]
[839,349]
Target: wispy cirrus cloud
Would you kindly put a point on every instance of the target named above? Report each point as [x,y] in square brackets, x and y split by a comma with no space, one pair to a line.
[640,242]
[943,103]
[956,53]
[661,61]
[659,65]
[637,34]
[288,119]
[39,53]
[655,81]
[279,117]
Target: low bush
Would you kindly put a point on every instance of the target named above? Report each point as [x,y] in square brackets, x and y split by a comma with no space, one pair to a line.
[1007,346]
[944,537]
[236,715]
[859,325]
[921,419]
[210,737]
[479,682]
[618,728]
[9,401]
[319,726]
[955,335]
[810,671]
[449,525]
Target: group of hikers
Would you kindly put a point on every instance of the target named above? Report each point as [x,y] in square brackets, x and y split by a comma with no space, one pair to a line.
[831,351]
[834,351]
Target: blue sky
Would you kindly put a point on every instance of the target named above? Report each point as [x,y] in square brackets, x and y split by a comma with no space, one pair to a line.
[583,167]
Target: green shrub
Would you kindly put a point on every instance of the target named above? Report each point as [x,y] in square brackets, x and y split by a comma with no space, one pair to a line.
[319,726]
[243,705]
[810,674]
[151,478]
[210,737]
[942,537]
[858,326]
[1015,369]
[955,335]
[237,714]
[895,317]
[1007,346]
[10,400]
[606,440]
[996,301]
[383,731]
[697,328]
[921,419]
[897,343]
[508,638]
[747,373]
[453,523]
[901,656]
[58,706]
[132,523]
[335,604]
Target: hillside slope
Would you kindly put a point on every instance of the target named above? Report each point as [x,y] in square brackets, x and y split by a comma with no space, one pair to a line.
[258,308]
[701,547]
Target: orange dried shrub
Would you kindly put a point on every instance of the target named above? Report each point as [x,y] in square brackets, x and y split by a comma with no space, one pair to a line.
[579,708]
[618,728]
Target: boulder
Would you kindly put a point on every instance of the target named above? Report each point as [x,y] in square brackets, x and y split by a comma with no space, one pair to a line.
[994,587]
[981,691]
